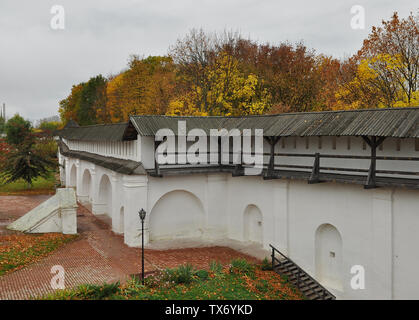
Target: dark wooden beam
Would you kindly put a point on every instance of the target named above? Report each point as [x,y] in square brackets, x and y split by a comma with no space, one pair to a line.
[373,142]
[219,151]
[238,168]
[315,173]
[271,166]
[156,164]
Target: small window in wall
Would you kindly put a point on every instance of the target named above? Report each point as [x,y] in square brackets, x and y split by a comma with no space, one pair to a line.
[332,254]
[283,143]
[381,146]
[416,144]
[320,142]
[334,143]
[295,142]
[348,142]
[307,142]
[398,142]
[364,145]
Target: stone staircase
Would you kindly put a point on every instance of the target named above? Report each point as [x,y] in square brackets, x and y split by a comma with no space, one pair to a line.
[308,286]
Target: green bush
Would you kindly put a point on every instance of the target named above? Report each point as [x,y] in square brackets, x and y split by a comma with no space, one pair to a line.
[216,267]
[241,266]
[202,274]
[185,273]
[182,274]
[87,292]
[266,265]
[48,148]
[95,292]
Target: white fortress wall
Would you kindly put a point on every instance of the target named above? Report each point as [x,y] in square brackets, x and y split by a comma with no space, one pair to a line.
[326,228]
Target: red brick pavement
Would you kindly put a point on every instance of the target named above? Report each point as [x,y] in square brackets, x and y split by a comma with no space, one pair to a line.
[12,207]
[98,256]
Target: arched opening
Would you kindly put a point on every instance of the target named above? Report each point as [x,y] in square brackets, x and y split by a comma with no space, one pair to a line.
[86,186]
[328,244]
[121,220]
[105,195]
[253,224]
[177,214]
[73,176]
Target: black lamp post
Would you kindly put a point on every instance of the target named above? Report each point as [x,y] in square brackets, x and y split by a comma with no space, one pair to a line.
[142,214]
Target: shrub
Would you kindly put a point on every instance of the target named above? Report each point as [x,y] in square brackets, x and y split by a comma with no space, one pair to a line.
[95,292]
[182,274]
[241,266]
[86,292]
[185,273]
[202,274]
[48,148]
[266,265]
[216,267]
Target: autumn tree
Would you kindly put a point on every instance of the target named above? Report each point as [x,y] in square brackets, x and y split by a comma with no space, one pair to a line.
[211,78]
[393,53]
[230,93]
[385,70]
[146,87]
[69,106]
[92,97]
[86,102]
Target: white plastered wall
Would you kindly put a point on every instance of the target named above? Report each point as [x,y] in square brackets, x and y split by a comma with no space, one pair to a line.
[378,227]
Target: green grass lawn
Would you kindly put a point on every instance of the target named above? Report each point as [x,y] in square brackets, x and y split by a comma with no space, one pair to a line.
[40,185]
[237,281]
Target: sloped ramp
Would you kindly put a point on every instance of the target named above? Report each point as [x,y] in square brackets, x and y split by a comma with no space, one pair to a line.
[57,214]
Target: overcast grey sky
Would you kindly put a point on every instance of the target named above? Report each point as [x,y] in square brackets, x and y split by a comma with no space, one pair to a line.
[38,65]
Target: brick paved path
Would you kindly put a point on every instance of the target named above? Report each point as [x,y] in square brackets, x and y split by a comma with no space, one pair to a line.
[98,256]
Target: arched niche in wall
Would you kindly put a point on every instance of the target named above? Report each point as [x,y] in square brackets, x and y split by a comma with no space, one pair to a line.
[87,185]
[105,195]
[328,244]
[73,176]
[253,224]
[177,214]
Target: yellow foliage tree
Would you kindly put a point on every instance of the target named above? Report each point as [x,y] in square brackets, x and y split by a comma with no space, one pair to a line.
[374,85]
[230,92]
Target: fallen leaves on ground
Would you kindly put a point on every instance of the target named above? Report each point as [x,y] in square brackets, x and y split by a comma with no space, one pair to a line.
[19,250]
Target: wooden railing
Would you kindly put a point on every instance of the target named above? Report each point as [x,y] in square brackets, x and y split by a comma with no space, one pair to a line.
[278,262]
[274,166]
